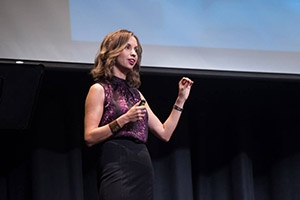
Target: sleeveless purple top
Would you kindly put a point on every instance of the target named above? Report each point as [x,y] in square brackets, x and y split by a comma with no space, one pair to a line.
[119,98]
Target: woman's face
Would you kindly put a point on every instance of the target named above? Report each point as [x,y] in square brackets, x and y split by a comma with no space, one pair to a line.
[128,57]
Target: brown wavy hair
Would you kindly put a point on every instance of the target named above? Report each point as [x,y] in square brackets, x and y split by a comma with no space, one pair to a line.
[110,48]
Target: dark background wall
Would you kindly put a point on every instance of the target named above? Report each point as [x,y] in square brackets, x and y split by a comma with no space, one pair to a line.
[237,138]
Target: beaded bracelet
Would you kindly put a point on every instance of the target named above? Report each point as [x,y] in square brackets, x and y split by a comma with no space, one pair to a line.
[177,108]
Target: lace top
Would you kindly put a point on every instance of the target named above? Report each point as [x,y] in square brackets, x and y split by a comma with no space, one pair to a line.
[119,98]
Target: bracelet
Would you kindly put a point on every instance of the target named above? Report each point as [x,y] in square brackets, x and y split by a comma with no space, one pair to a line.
[114,126]
[177,108]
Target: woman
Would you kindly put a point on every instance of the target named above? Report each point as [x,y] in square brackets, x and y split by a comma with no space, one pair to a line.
[117,120]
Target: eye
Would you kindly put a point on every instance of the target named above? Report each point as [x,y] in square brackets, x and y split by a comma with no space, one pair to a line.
[136,50]
[127,46]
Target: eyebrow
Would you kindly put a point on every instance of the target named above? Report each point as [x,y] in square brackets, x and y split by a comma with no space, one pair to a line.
[131,44]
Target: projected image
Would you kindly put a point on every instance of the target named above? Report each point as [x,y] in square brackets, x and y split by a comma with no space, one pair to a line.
[261,25]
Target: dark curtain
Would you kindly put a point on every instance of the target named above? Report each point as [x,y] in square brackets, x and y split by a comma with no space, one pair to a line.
[237,140]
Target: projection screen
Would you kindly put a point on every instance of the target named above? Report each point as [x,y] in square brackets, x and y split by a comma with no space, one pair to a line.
[235,35]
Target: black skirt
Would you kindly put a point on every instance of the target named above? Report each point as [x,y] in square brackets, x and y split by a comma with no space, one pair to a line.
[125,171]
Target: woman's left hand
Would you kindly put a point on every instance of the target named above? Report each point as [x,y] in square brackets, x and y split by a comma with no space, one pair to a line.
[184,85]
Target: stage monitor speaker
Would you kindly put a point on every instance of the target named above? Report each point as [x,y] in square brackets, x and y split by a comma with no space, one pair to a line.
[19,90]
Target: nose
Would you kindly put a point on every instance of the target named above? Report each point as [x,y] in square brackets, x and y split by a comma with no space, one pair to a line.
[133,53]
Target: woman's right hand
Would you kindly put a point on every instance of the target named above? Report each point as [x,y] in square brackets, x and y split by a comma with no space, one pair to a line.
[136,112]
